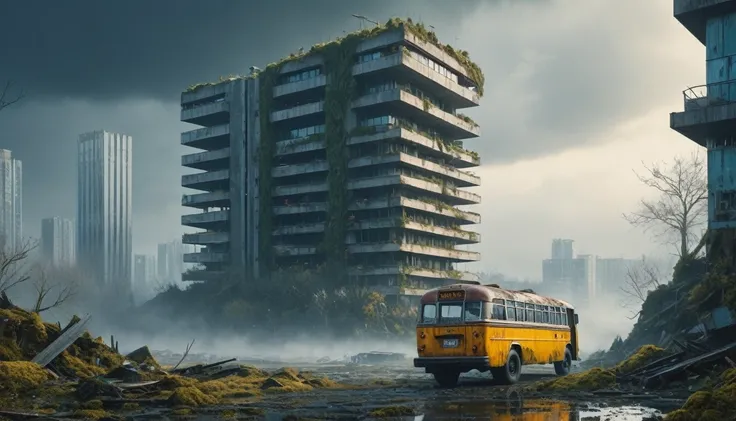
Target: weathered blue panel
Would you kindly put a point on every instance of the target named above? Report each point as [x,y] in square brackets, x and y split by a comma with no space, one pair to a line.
[729,35]
[714,38]
[722,186]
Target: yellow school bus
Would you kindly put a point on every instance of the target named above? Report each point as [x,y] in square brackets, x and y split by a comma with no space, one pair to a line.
[468,326]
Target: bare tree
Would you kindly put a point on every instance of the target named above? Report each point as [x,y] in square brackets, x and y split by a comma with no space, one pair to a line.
[61,290]
[14,268]
[679,211]
[6,99]
[641,279]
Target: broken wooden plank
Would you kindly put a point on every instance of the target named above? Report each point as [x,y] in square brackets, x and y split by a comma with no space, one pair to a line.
[676,369]
[61,343]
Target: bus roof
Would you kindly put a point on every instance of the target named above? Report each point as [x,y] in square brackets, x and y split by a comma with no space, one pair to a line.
[477,292]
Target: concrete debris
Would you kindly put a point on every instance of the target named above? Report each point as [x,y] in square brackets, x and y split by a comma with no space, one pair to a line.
[376,357]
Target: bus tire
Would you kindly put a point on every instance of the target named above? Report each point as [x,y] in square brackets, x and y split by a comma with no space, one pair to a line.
[562,368]
[511,371]
[447,378]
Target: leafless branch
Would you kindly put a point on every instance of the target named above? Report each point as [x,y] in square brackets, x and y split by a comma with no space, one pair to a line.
[640,280]
[62,291]
[681,203]
[13,264]
[183,357]
[5,99]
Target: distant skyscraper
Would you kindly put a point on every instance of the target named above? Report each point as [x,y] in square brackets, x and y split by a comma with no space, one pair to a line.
[144,270]
[562,249]
[11,200]
[57,241]
[170,261]
[104,207]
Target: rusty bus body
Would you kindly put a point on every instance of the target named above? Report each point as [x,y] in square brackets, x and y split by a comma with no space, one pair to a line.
[468,326]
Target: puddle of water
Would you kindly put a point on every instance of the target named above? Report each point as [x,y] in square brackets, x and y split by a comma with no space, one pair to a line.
[533,411]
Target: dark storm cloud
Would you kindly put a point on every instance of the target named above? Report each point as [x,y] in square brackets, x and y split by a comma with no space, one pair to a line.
[153,49]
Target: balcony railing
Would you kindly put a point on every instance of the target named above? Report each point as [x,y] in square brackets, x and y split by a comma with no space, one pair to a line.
[708,95]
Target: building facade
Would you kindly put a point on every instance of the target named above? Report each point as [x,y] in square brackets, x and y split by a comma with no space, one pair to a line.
[144,272]
[611,275]
[57,242]
[562,249]
[11,200]
[104,208]
[709,116]
[358,162]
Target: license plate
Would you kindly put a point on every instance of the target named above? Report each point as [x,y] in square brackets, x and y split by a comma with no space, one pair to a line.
[450,343]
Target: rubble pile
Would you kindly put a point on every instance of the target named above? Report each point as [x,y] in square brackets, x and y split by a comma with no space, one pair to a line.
[47,369]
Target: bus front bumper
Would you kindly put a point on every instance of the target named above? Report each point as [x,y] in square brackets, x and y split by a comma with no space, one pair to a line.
[462,364]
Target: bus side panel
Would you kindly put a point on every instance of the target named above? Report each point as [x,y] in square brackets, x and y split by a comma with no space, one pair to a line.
[538,345]
[497,346]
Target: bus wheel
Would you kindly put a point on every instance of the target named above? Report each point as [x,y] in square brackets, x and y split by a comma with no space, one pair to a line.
[511,372]
[447,378]
[562,368]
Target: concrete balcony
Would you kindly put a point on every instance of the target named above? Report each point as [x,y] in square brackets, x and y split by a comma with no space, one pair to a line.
[300,229]
[450,195]
[203,275]
[207,161]
[206,238]
[710,112]
[435,208]
[300,145]
[207,138]
[395,290]
[207,114]
[292,88]
[694,14]
[405,65]
[282,250]
[458,157]
[301,112]
[299,169]
[411,271]
[207,200]
[205,257]
[205,219]
[449,254]
[207,181]
[461,179]
[460,236]
[298,189]
[453,127]
[404,36]
[300,208]
[204,92]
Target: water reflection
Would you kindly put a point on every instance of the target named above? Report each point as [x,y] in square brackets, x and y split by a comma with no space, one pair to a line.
[516,409]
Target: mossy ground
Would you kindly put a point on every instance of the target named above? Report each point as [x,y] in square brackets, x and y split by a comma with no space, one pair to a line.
[601,378]
[715,404]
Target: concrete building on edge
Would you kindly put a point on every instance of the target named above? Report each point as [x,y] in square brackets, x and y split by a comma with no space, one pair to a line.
[709,118]
[350,153]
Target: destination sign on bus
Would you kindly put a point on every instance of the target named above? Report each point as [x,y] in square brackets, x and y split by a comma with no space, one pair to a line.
[451,295]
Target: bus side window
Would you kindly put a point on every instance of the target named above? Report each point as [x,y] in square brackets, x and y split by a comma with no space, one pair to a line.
[545,314]
[559,316]
[555,315]
[499,311]
[530,312]
[520,313]
[564,317]
[538,317]
[510,311]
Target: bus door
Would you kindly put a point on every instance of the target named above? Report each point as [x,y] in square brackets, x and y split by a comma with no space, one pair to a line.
[572,319]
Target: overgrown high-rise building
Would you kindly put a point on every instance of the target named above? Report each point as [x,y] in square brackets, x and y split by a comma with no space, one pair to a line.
[709,118]
[349,155]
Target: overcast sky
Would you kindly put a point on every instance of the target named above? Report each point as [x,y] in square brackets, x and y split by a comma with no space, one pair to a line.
[577,94]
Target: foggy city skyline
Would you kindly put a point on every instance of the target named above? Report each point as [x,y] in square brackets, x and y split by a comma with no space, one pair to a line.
[565,144]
